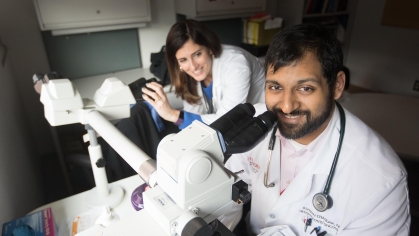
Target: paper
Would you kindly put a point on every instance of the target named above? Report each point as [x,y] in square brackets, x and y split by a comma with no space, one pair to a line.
[273,23]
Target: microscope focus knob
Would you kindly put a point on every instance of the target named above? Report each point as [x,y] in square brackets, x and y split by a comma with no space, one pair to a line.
[240,194]
[245,196]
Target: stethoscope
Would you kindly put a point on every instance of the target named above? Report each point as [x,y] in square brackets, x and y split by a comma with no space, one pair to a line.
[321,201]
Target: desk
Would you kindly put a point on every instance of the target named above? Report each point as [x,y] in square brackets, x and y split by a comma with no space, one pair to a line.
[395,117]
[88,86]
[74,205]
[136,221]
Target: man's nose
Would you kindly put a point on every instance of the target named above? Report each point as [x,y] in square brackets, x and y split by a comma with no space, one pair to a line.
[288,102]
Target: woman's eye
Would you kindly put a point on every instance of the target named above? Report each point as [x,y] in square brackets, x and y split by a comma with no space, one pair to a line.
[198,54]
[182,60]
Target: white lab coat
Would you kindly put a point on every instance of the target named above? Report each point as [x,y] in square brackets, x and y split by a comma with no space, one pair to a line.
[369,187]
[238,77]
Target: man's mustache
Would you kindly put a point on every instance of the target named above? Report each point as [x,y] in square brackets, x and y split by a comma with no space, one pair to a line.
[297,112]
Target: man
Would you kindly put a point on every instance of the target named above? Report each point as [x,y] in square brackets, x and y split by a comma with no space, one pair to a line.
[366,194]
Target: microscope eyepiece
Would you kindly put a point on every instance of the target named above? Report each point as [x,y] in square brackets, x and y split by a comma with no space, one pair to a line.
[241,131]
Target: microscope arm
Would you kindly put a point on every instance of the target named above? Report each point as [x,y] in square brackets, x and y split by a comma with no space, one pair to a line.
[132,154]
[64,105]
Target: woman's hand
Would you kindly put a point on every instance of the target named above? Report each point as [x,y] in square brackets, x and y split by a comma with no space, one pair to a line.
[160,103]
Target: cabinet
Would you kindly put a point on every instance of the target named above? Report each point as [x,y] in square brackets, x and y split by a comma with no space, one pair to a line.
[75,14]
[336,15]
[218,9]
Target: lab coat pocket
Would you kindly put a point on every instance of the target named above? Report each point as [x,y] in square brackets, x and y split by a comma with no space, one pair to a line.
[313,221]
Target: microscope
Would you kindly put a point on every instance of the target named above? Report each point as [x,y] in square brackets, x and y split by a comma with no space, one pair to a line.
[190,188]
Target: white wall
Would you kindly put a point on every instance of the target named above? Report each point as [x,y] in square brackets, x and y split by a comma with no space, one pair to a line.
[153,37]
[20,186]
[382,58]
[19,30]
[24,132]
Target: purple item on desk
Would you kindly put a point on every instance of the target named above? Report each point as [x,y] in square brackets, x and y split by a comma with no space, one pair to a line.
[137,197]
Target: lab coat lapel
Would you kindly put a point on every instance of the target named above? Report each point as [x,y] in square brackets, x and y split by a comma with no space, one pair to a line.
[216,83]
[200,109]
[322,161]
[298,189]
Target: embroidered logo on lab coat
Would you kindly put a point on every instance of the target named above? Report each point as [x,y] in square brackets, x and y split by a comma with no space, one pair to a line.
[255,166]
[318,223]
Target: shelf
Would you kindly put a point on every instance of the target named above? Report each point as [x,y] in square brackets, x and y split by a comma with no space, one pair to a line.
[258,51]
[94,14]
[325,14]
[216,10]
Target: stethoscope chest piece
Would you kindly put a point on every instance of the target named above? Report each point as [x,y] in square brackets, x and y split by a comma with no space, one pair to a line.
[322,202]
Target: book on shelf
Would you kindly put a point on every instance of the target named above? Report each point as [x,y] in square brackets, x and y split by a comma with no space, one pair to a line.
[260,29]
[325,6]
[332,6]
[342,5]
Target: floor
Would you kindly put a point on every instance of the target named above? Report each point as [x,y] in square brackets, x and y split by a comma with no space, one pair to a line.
[81,179]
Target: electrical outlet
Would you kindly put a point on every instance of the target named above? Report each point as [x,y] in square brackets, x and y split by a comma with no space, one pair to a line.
[416,85]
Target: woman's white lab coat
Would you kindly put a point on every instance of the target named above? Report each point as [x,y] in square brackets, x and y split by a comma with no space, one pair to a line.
[238,77]
[369,187]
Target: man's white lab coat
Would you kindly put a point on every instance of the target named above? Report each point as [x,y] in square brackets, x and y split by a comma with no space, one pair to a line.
[238,77]
[369,187]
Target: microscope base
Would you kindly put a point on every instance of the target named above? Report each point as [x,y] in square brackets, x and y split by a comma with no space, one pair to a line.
[94,200]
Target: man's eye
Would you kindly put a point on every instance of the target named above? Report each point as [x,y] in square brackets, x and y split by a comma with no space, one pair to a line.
[306,89]
[198,54]
[274,87]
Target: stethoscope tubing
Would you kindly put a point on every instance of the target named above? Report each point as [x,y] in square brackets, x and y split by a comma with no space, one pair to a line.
[328,184]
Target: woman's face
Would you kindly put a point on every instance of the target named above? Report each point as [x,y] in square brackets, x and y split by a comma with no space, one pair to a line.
[196,61]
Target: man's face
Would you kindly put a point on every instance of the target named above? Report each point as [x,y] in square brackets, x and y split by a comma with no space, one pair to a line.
[299,95]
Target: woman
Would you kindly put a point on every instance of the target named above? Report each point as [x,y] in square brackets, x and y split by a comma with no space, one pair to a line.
[210,78]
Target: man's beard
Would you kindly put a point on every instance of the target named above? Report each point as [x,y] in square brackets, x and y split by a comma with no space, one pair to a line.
[296,131]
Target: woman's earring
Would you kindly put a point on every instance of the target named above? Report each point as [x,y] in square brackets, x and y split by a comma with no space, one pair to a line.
[181,70]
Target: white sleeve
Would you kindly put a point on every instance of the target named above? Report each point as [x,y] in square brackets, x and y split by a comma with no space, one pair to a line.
[235,81]
[236,163]
[390,217]
[277,230]
[232,217]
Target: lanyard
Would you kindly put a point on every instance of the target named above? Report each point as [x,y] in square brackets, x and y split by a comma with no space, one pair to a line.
[208,102]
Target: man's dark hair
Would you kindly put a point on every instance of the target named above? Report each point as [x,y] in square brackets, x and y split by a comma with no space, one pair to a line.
[291,44]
